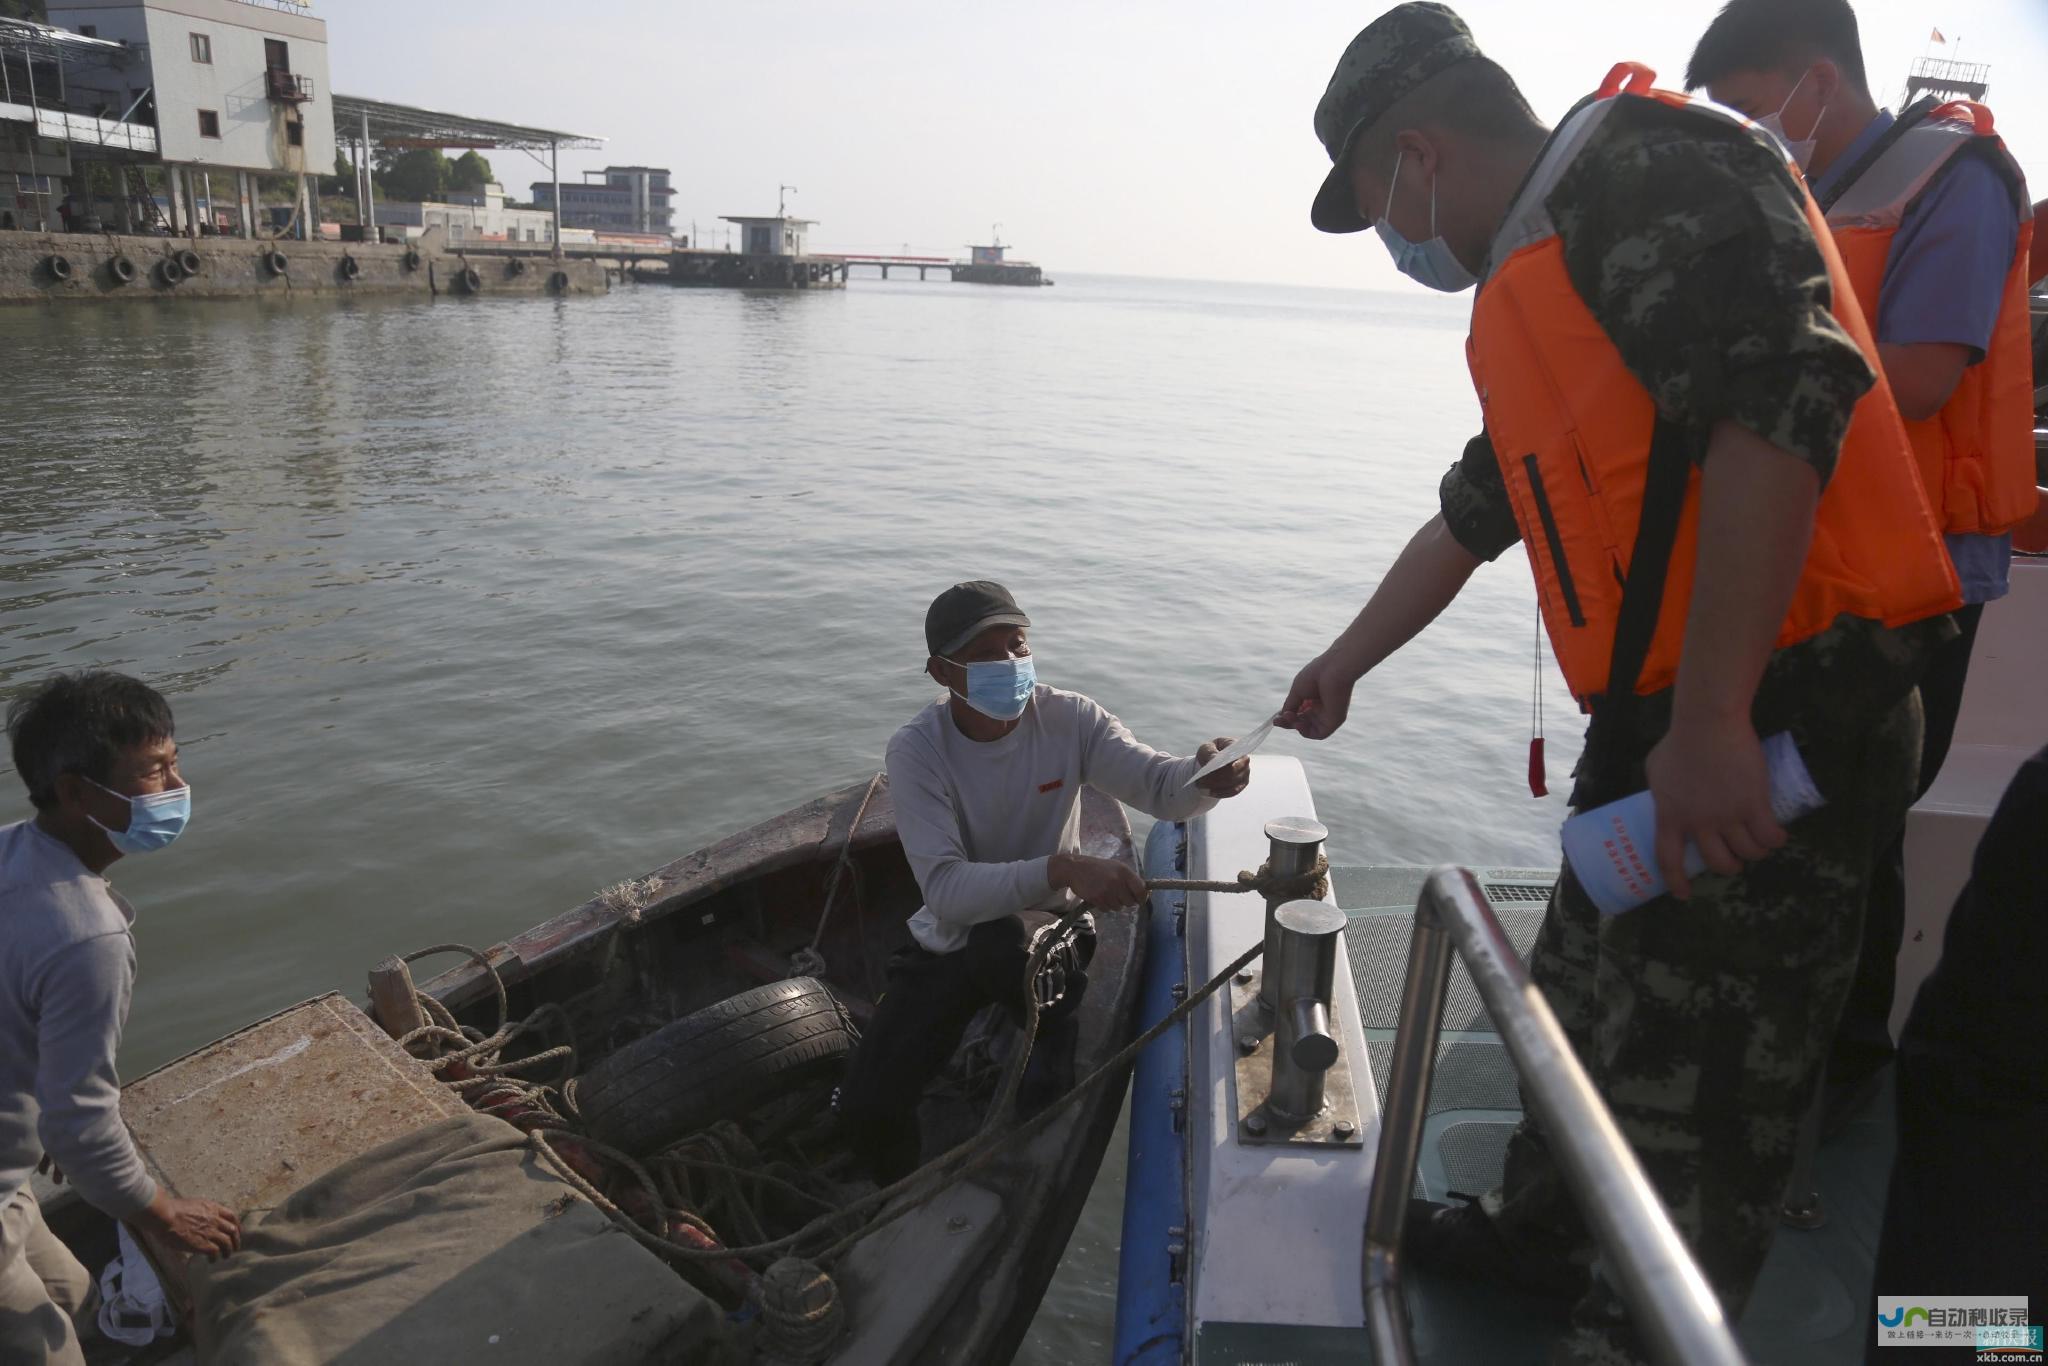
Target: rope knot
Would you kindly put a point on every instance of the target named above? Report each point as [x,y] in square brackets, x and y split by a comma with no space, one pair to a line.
[801,1317]
[1313,885]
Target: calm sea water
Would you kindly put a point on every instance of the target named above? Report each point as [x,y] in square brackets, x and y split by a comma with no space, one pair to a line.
[469,608]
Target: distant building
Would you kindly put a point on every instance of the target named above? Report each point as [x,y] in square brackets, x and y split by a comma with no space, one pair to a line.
[235,85]
[779,236]
[989,255]
[621,199]
[469,216]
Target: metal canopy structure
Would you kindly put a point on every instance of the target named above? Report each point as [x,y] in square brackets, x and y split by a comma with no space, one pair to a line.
[405,125]
[378,123]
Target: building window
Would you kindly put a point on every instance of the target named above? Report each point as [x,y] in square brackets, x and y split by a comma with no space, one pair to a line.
[209,123]
[202,48]
[276,55]
[295,134]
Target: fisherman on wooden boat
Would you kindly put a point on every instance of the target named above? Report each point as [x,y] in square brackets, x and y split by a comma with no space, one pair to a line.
[987,784]
[98,755]
[1687,429]
[1931,215]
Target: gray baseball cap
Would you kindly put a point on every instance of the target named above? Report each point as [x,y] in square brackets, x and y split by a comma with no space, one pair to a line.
[1391,56]
[965,610]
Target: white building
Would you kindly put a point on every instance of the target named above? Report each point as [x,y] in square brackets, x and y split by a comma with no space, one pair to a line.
[470,216]
[778,236]
[238,86]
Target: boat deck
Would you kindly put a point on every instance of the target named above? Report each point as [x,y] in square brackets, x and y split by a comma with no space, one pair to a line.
[1810,1304]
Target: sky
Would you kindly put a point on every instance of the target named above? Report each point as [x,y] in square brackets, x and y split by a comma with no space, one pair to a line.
[1134,137]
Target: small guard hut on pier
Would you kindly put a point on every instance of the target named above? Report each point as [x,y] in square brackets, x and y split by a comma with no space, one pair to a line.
[771,256]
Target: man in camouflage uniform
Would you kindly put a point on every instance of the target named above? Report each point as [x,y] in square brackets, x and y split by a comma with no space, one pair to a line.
[1702,1022]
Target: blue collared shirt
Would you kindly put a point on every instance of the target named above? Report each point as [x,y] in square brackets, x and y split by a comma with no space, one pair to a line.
[1943,282]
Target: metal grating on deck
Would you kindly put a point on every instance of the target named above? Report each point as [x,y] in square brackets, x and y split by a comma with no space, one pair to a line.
[1474,1095]
[1471,1074]
[1378,945]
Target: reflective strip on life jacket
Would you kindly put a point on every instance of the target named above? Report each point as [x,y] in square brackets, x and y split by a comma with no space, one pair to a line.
[1976,456]
[1572,428]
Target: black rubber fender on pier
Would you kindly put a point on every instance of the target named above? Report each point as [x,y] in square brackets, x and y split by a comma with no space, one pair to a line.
[515,267]
[120,270]
[714,1064]
[471,281]
[276,262]
[169,270]
[188,261]
[412,258]
[559,281]
[350,267]
[58,266]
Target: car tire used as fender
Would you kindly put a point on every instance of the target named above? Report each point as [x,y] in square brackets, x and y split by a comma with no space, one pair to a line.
[714,1064]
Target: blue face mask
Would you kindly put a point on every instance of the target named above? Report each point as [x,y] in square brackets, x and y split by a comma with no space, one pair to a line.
[154,819]
[999,688]
[1429,263]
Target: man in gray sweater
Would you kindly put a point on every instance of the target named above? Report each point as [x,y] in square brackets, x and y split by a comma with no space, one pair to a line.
[987,785]
[97,753]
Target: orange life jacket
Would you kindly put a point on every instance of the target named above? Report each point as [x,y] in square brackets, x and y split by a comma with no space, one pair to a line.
[1976,455]
[1572,429]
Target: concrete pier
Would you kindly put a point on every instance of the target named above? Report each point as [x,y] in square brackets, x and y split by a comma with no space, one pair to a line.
[91,267]
[735,270]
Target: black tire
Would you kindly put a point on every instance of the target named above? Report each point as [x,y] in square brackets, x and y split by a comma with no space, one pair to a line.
[720,1062]
[276,262]
[471,281]
[559,281]
[169,271]
[412,259]
[58,266]
[515,267]
[188,261]
[350,268]
[121,270]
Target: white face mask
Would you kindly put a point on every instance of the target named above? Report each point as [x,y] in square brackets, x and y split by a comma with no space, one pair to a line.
[1431,263]
[1800,149]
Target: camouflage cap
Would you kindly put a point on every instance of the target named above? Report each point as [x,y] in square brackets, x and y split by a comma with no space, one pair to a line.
[1391,56]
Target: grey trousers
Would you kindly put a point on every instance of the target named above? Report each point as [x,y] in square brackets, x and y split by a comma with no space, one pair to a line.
[42,1287]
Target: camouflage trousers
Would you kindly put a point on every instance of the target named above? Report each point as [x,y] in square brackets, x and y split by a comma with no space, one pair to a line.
[1704,1026]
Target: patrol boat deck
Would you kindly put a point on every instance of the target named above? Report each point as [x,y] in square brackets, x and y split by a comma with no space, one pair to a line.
[1237,1251]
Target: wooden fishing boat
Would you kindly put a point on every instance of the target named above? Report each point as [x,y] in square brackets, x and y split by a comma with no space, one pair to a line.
[689,967]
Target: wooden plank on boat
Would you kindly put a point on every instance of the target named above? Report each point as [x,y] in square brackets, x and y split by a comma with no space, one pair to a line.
[393,1002]
[892,1299]
[250,1118]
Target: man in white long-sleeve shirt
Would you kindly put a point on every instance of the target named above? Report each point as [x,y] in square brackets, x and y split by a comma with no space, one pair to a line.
[97,754]
[987,785]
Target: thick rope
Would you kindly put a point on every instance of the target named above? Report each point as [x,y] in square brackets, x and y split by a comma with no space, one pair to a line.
[971,1155]
[808,961]
[801,1317]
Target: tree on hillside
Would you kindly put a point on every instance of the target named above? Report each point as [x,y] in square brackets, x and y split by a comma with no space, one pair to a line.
[418,174]
[470,172]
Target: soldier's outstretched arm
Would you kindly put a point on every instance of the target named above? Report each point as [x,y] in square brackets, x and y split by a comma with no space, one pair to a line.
[1422,582]
[1476,524]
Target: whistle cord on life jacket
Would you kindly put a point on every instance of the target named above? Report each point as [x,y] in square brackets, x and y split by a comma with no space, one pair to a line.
[1539,778]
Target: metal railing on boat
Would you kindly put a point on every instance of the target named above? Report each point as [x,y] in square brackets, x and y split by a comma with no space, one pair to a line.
[1671,1304]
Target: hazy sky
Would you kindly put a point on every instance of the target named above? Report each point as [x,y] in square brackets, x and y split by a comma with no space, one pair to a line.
[1125,136]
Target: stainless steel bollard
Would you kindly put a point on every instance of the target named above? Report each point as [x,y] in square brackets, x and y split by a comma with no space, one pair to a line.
[1304,1041]
[1293,845]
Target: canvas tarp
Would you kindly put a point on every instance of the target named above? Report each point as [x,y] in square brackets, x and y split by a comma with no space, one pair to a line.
[451,1244]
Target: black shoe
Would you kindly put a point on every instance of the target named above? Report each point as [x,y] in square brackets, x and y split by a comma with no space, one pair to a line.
[1460,1241]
